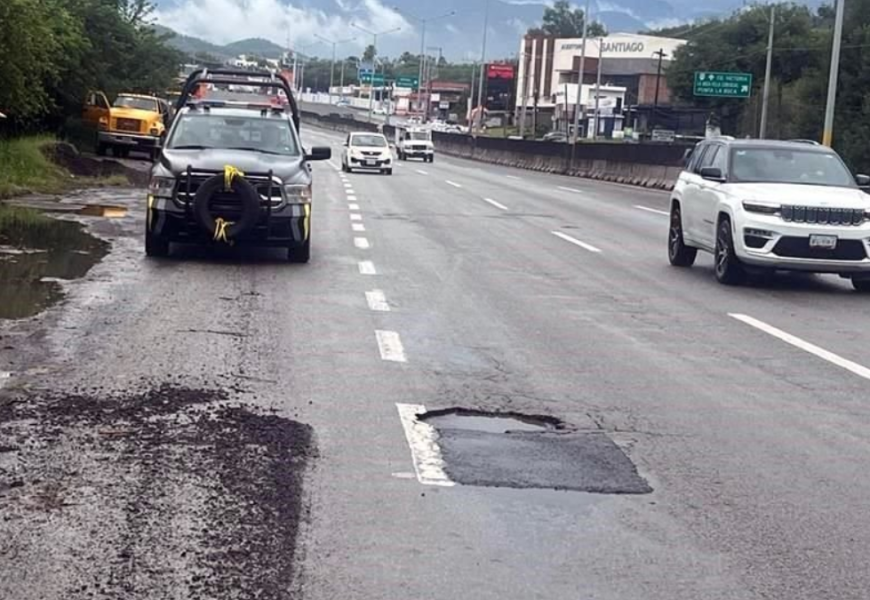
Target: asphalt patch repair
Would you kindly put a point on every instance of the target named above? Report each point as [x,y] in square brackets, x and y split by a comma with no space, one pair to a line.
[522,451]
[169,493]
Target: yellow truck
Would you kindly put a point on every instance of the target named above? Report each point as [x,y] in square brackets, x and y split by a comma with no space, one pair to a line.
[131,122]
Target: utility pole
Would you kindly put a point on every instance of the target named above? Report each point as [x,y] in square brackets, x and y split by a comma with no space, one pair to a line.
[762,133]
[661,54]
[598,88]
[828,137]
[480,98]
[530,84]
[430,71]
[332,67]
[374,70]
[581,73]
[471,97]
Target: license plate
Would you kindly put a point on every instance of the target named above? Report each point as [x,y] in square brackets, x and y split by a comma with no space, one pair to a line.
[824,242]
[370,163]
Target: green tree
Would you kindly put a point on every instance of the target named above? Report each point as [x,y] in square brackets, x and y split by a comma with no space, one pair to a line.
[369,53]
[562,20]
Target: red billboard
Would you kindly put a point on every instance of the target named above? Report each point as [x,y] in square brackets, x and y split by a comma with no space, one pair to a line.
[499,71]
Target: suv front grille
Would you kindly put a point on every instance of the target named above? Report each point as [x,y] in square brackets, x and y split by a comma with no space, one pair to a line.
[823,215]
[799,247]
[227,202]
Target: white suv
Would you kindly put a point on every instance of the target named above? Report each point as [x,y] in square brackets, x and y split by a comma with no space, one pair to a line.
[758,204]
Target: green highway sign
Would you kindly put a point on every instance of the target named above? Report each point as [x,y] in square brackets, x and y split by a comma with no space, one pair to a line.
[366,78]
[723,85]
[408,82]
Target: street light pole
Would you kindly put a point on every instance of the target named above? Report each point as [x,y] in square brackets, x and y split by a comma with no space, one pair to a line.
[480,98]
[374,70]
[332,67]
[598,89]
[582,72]
[762,132]
[828,136]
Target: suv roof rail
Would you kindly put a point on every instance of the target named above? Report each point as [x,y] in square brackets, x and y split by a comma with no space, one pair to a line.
[238,77]
[804,141]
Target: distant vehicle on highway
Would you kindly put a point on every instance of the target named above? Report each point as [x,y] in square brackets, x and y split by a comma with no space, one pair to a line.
[765,205]
[415,142]
[131,122]
[368,151]
[234,173]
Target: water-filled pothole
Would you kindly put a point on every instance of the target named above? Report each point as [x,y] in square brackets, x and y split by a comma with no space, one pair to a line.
[487,422]
[103,210]
[35,252]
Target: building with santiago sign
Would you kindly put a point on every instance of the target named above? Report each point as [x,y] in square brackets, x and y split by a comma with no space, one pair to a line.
[631,61]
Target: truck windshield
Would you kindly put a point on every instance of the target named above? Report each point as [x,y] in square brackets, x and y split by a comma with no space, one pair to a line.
[423,136]
[260,134]
[138,103]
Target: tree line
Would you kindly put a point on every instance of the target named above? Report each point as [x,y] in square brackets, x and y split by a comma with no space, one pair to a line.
[801,66]
[53,52]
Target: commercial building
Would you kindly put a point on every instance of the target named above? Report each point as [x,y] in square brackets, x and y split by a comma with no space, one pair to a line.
[549,68]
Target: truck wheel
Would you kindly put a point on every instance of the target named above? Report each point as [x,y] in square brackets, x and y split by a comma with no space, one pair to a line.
[156,246]
[300,254]
[101,149]
[432,158]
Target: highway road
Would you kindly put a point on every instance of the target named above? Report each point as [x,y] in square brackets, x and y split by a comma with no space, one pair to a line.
[736,418]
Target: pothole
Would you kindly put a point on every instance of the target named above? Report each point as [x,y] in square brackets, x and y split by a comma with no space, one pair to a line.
[103,210]
[514,450]
[472,420]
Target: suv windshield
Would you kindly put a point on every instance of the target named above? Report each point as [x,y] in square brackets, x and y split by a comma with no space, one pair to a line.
[774,165]
[137,103]
[255,133]
[375,141]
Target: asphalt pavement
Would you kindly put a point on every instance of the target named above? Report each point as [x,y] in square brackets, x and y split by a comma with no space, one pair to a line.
[464,285]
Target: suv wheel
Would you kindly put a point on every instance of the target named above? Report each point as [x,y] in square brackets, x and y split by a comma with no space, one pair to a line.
[679,254]
[300,254]
[728,268]
[861,284]
[156,246]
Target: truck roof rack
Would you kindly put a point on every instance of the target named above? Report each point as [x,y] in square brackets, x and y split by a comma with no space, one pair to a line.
[237,77]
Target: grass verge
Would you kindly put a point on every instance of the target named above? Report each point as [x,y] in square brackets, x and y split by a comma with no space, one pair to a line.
[24,168]
[18,223]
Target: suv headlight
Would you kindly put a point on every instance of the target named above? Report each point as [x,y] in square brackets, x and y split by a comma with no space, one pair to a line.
[764,208]
[161,187]
[297,193]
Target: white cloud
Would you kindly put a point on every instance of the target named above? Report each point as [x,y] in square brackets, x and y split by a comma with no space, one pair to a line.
[518,25]
[529,2]
[610,7]
[225,21]
[452,28]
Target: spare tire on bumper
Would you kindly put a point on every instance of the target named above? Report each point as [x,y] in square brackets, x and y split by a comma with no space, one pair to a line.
[219,228]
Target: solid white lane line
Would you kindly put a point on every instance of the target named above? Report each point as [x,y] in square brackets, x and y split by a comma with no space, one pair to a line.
[425,453]
[367,267]
[795,341]
[421,172]
[333,165]
[453,183]
[357,226]
[511,176]
[390,346]
[361,243]
[652,210]
[569,189]
[576,242]
[495,204]
[353,206]
[377,301]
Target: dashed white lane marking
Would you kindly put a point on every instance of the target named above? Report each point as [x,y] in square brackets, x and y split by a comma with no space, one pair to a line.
[348,184]
[355,217]
[377,301]
[367,267]
[498,205]
[357,226]
[570,189]
[576,242]
[351,198]
[361,243]
[795,341]
[425,453]
[390,345]
[353,206]
[421,171]
[453,183]
[652,210]
[511,176]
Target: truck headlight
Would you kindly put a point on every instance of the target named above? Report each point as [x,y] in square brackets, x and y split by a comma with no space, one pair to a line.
[296,193]
[161,187]
[764,208]
[104,123]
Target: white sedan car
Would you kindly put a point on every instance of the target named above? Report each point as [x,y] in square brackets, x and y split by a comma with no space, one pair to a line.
[765,205]
[367,151]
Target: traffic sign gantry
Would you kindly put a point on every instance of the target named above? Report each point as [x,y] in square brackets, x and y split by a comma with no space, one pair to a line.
[366,78]
[723,85]
[408,82]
